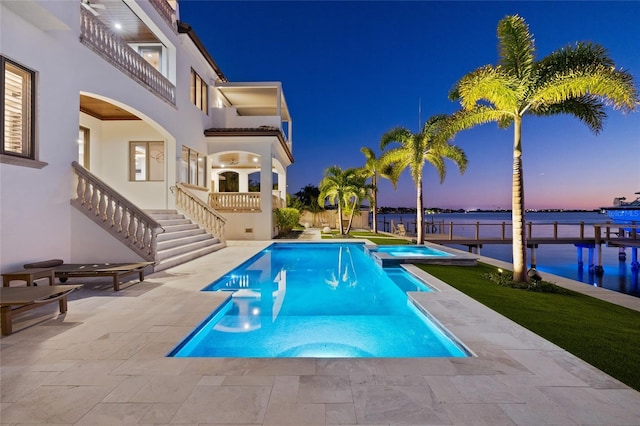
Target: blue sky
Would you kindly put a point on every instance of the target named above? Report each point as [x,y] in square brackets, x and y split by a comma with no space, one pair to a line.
[353,70]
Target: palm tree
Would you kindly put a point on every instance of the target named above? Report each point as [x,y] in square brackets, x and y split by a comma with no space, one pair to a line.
[372,169]
[340,187]
[360,191]
[430,145]
[578,80]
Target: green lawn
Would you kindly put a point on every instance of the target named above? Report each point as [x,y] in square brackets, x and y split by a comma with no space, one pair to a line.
[380,239]
[605,335]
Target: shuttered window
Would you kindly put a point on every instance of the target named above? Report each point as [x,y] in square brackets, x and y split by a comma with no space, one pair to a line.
[17,109]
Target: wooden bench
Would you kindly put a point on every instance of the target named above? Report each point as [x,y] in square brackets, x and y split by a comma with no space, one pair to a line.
[28,275]
[14,300]
[116,271]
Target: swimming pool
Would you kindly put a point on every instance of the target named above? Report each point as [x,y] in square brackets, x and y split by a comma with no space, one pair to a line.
[317,300]
[386,256]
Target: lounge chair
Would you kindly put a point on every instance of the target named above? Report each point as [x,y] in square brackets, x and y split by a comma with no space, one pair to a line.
[14,300]
[117,271]
[400,230]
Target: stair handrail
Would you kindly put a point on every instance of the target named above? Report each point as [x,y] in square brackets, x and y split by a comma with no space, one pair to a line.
[200,212]
[115,213]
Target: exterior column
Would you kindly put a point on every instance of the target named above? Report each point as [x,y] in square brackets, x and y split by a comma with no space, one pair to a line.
[243,181]
[266,187]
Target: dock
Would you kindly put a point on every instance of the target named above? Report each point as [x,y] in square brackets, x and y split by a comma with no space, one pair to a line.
[591,237]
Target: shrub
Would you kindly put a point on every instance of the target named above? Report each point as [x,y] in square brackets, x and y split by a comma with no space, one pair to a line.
[286,219]
[505,279]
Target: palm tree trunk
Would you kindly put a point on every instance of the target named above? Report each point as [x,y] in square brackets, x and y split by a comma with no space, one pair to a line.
[374,203]
[340,218]
[353,212]
[419,213]
[519,241]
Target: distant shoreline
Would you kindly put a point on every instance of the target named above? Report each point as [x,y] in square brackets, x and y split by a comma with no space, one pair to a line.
[436,210]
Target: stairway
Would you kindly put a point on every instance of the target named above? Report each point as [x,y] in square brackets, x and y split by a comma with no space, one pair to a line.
[182,240]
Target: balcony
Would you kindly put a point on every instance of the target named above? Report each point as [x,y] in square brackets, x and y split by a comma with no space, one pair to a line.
[96,34]
[252,106]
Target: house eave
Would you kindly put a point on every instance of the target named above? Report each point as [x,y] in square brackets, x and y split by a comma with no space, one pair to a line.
[260,131]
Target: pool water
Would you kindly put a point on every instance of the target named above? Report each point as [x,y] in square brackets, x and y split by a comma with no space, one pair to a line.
[412,250]
[317,300]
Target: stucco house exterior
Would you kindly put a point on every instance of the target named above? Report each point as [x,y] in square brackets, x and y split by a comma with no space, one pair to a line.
[116,123]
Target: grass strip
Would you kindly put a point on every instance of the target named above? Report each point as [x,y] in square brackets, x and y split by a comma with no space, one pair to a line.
[603,334]
[380,239]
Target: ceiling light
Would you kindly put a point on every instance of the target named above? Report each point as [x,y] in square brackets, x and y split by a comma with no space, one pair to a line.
[117,26]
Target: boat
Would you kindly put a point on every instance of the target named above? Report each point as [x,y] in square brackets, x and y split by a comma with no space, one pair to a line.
[624,212]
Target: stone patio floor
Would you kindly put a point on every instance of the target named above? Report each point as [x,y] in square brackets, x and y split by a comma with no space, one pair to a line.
[104,363]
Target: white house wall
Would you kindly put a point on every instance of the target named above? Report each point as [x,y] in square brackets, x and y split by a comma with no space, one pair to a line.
[114,151]
[248,226]
[98,246]
[34,203]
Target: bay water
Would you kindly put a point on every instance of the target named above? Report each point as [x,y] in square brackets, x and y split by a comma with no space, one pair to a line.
[557,259]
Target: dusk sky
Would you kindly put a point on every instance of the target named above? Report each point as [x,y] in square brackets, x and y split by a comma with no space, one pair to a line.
[353,70]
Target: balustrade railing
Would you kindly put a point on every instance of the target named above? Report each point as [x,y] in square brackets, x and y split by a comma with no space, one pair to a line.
[166,11]
[198,211]
[99,38]
[117,215]
[278,202]
[235,201]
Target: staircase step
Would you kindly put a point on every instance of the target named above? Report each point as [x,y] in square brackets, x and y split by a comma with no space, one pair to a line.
[183,241]
[179,228]
[174,235]
[186,248]
[186,257]
[170,222]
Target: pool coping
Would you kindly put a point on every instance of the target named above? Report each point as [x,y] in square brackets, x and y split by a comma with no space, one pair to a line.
[457,257]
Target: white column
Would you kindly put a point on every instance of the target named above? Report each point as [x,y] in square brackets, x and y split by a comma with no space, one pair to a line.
[243,181]
[282,186]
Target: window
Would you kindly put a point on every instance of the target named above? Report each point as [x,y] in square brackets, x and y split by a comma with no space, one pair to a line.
[17,97]
[199,92]
[194,167]
[153,55]
[83,147]
[146,161]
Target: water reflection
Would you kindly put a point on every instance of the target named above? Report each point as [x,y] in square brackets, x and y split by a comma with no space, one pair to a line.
[344,273]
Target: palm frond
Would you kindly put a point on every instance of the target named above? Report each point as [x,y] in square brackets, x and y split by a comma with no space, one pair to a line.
[397,134]
[457,155]
[489,84]
[392,173]
[580,56]
[397,157]
[587,109]
[516,46]
[466,119]
[437,161]
[612,87]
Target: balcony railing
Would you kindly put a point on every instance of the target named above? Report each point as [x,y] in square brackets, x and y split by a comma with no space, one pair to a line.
[97,36]
[166,11]
[235,201]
